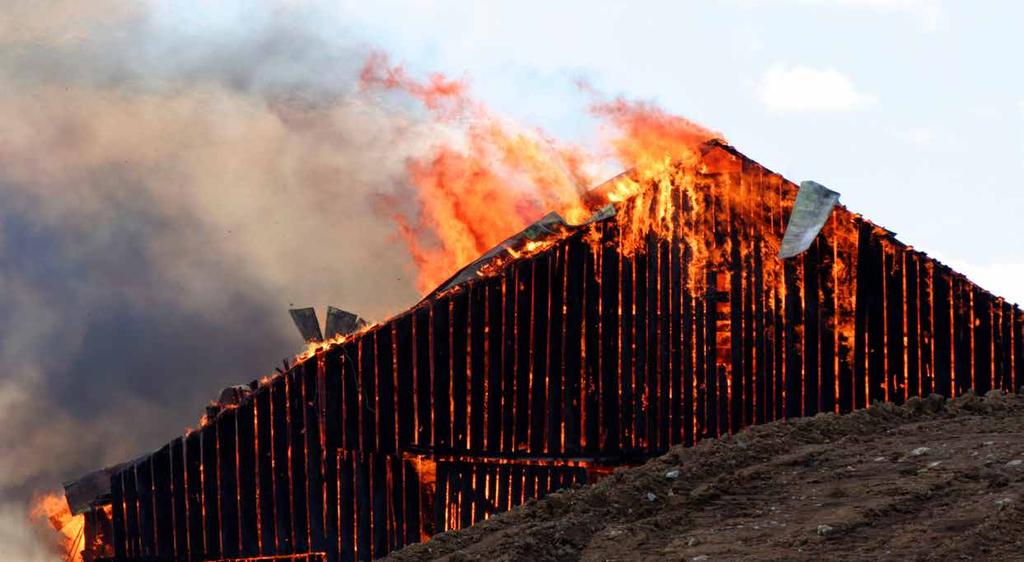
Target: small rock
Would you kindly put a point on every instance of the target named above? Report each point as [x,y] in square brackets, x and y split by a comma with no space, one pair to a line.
[1015,462]
[824,530]
[934,464]
[988,443]
[651,497]
[698,558]
[878,459]
[1003,503]
[672,474]
[692,541]
[920,451]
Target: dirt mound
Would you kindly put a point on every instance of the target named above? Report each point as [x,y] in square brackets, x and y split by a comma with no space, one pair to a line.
[934,479]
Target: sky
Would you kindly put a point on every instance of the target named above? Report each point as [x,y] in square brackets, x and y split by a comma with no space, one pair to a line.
[174,175]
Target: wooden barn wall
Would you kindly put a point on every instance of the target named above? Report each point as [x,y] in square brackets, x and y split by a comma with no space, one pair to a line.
[579,356]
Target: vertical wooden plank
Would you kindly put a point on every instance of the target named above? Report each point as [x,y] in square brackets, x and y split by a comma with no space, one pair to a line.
[347,507]
[441,329]
[778,378]
[265,465]
[626,367]
[247,479]
[297,457]
[812,336]
[179,500]
[163,507]
[942,313]
[386,388]
[405,376]
[609,342]
[926,324]
[827,322]
[495,390]
[227,462]
[1018,348]
[574,298]
[556,360]
[364,507]
[351,392]
[518,479]
[314,370]
[332,435]
[504,487]
[379,504]
[761,342]
[424,388]
[194,476]
[982,340]
[653,343]
[120,525]
[640,360]
[894,339]
[676,337]
[441,497]
[477,365]
[524,324]
[144,491]
[963,376]
[211,494]
[710,328]
[663,396]
[873,266]
[413,485]
[1000,362]
[793,342]
[748,308]
[460,350]
[368,407]
[133,533]
[911,320]
[466,495]
[1008,351]
[860,349]
[396,502]
[508,362]
[539,351]
[591,350]
[529,482]
[282,480]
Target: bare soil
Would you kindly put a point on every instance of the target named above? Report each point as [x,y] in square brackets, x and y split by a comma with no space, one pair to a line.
[934,479]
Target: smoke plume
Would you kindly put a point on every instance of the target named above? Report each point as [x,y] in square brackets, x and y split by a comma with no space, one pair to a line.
[172,179]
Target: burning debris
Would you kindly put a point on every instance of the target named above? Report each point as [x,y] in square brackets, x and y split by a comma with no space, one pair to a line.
[540,366]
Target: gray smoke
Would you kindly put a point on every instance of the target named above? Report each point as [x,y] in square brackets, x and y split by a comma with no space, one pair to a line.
[170,183]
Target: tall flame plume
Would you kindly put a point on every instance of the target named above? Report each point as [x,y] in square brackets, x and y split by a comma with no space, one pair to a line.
[492,177]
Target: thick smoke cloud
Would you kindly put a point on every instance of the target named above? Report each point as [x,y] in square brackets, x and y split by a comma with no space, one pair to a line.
[172,179]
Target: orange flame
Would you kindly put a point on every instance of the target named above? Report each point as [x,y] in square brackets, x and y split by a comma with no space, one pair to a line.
[494,178]
[53,508]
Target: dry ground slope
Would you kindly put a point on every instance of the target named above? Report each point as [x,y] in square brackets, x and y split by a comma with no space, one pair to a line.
[932,480]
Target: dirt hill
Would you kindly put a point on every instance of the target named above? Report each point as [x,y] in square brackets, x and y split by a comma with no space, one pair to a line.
[932,480]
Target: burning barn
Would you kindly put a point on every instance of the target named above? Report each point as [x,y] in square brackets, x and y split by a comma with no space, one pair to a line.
[665,319]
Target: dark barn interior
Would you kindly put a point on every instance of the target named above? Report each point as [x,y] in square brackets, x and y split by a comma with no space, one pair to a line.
[670,322]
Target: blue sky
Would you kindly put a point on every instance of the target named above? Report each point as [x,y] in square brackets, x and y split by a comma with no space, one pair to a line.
[912,109]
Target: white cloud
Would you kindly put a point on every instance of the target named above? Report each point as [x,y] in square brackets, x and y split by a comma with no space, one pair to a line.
[801,88]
